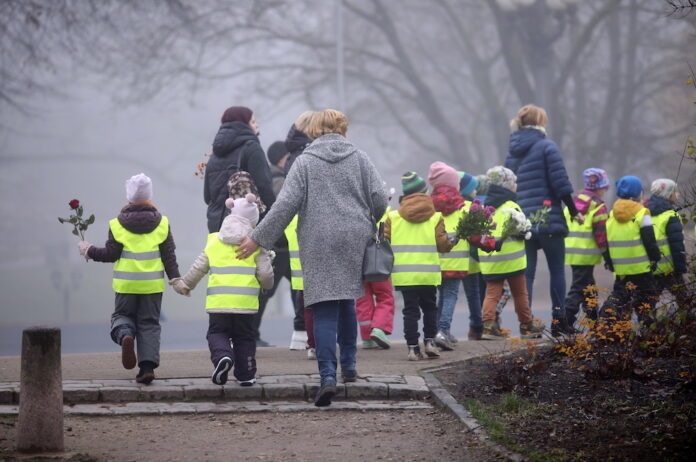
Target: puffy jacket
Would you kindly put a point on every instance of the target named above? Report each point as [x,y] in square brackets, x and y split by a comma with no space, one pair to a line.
[235,145]
[674,231]
[541,175]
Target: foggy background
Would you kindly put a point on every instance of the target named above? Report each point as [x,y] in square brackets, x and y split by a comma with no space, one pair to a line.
[93,92]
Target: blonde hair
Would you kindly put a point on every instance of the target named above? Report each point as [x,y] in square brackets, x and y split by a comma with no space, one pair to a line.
[302,120]
[530,115]
[327,121]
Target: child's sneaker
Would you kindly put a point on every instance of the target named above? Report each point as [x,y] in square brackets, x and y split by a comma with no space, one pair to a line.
[128,358]
[430,348]
[380,338]
[532,329]
[146,374]
[491,331]
[414,353]
[473,334]
[349,375]
[369,345]
[247,383]
[221,370]
[298,340]
[311,353]
[443,342]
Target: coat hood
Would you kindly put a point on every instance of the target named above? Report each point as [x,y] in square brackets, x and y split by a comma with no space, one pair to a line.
[625,209]
[140,218]
[522,140]
[658,205]
[497,196]
[584,204]
[331,148]
[446,199]
[230,136]
[234,228]
[296,141]
[416,208]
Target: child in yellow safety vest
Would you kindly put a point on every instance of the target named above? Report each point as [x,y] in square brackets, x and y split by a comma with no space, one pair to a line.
[586,244]
[669,234]
[633,253]
[141,246]
[508,262]
[232,298]
[417,236]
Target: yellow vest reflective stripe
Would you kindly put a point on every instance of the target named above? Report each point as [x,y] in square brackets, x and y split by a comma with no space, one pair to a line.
[232,283]
[416,260]
[458,258]
[139,270]
[512,256]
[628,255]
[580,245]
[665,266]
[296,280]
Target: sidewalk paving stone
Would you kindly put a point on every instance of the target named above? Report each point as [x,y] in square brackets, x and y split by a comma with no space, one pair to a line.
[159,392]
[120,394]
[415,380]
[234,391]
[7,396]
[313,387]
[284,391]
[398,391]
[203,391]
[384,379]
[80,395]
[367,390]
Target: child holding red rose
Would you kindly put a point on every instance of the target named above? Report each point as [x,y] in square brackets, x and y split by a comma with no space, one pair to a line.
[141,245]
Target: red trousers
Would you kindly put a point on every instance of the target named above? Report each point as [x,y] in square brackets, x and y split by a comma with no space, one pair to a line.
[375,308]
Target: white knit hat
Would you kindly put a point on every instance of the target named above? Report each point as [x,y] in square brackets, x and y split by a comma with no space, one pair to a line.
[244,207]
[139,188]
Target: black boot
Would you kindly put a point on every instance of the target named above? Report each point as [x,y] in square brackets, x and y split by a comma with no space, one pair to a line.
[147,373]
[559,326]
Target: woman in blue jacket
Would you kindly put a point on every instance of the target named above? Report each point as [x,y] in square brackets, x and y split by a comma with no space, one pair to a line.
[542,176]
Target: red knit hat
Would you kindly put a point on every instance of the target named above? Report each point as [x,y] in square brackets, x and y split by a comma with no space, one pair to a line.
[442,174]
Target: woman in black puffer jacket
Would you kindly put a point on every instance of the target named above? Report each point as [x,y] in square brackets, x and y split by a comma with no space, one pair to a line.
[236,147]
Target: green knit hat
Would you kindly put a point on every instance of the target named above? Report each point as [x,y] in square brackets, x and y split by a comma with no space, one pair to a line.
[411,183]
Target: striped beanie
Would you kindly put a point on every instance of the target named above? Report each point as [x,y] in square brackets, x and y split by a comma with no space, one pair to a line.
[411,183]
[467,183]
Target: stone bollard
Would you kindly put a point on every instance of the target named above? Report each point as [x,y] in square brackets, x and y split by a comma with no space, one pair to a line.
[40,422]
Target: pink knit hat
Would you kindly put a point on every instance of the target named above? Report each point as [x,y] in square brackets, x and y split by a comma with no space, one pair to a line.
[244,207]
[442,174]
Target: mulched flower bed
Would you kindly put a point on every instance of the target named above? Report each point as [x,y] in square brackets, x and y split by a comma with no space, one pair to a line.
[550,411]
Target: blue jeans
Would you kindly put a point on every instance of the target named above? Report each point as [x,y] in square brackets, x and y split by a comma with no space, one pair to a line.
[448,294]
[335,321]
[554,250]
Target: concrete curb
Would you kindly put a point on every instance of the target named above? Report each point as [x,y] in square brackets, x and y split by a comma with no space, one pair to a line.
[446,400]
[271,388]
[206,407]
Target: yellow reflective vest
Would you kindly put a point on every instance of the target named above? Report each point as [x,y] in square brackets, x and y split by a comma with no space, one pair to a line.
[139,270]
[580,245]
[512,256]
[458,258]
[232,283]
[296,280]
[416,260]
[665,266]
[628,255]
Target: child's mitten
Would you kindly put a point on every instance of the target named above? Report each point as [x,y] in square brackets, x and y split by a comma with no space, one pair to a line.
[180,287]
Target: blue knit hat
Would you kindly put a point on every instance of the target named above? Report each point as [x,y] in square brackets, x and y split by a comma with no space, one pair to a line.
[629,187]
[467,183]
[411,183]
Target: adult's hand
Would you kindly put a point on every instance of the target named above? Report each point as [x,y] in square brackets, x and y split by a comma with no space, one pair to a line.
[246,248]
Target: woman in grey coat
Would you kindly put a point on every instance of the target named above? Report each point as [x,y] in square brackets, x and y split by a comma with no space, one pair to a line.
[327,188]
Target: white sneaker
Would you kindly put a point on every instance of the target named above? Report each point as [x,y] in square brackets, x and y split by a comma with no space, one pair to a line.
[431,350]
[298,340]
[311,353]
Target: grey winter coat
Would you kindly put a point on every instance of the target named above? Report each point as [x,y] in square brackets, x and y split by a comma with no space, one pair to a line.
[325,188]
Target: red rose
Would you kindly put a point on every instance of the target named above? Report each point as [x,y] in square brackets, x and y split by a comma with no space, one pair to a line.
[547,203]
[74,204]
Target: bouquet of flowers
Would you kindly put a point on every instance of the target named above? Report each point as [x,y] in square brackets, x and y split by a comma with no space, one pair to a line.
[80,224]
[516,226]
[476,222]
[541,216]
